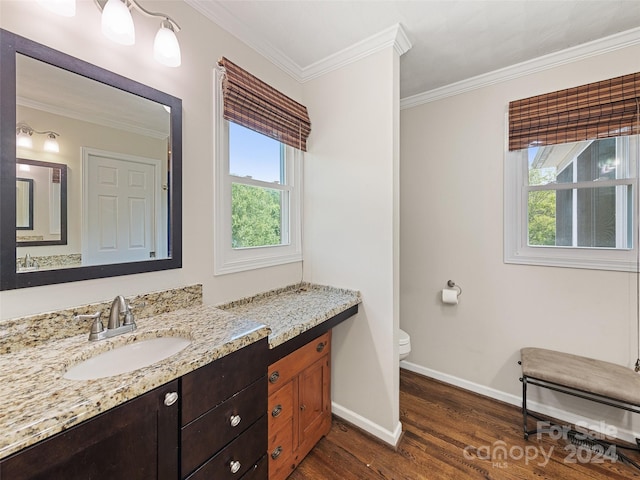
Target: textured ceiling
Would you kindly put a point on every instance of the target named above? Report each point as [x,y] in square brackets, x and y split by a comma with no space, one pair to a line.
[452,40]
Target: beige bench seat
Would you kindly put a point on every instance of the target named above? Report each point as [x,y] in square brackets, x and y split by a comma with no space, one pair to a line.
[596,380]
[588,375]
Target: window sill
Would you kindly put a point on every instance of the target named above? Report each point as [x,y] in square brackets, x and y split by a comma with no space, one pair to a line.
[254,262]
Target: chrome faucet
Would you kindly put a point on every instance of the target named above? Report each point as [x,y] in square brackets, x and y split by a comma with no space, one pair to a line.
[119,307]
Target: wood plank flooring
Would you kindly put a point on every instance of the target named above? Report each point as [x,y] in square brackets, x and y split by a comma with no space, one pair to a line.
[450,433]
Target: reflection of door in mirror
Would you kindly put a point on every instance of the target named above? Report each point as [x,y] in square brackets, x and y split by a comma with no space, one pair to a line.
[123,218]
[24,204]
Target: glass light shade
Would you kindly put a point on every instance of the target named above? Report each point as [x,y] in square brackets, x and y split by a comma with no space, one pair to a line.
[24,140]
[51,144]
[166,49]
[117,23]
[65,8]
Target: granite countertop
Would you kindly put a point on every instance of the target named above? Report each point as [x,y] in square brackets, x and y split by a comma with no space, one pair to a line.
[40,402]
[293,310]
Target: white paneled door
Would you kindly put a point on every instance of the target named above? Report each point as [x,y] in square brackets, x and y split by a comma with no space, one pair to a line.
[120,208]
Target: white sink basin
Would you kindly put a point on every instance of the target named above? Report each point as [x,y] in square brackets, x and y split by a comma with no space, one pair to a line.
[127,358]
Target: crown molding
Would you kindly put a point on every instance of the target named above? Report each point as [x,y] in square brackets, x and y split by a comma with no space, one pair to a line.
[393,36]
[94,118]
[218,14]
[580,52]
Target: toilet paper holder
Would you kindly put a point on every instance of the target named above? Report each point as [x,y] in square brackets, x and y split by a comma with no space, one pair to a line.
[452,284]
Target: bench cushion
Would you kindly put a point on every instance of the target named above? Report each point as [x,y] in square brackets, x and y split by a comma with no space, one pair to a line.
[582,373]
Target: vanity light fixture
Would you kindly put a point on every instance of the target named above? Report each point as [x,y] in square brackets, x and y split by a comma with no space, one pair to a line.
[117,25]
[51,143]
[24,134]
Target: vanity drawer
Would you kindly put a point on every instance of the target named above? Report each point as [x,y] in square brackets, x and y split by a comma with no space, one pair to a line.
[247,449]
[213,430]
[210,385]
[280,410]
[259,471]
[280,448]
[288,367]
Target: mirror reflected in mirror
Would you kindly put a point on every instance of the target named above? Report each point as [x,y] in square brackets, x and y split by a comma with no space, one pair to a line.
[47,203]
[104,154]
[24,205]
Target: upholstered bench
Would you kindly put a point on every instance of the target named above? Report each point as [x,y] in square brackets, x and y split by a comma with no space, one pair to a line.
[603,382]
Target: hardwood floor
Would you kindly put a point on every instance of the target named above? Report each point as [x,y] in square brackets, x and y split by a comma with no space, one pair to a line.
[450,433]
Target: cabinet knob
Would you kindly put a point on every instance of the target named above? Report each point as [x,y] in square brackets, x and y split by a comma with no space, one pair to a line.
[320,346]
[273,378]
[302,407]
[234,466]
[235,420]
[276,411]
[170,398]
[276,452]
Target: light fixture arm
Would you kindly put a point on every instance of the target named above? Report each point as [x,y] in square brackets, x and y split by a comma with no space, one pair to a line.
[134,4]
[25,128]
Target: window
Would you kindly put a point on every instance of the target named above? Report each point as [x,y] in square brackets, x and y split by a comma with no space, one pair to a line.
[571,177]
[257,204]
[572,204]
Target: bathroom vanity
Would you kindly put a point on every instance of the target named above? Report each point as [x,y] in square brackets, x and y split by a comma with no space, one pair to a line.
[207,411]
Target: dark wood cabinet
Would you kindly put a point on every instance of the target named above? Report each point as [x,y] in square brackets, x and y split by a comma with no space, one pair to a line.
[224,424]
[235,418]
[299,409]
[218,429]
[138,439]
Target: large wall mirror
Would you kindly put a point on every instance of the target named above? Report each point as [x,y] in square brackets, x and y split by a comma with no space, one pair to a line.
[108,202]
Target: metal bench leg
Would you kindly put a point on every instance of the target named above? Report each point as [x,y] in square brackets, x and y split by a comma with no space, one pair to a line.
[524,407]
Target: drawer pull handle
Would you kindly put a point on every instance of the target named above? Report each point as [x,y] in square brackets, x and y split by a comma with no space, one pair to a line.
[235,420]
[320,346]
[276,411]
[273,378]
[276,453]
[170,398]
[234,466]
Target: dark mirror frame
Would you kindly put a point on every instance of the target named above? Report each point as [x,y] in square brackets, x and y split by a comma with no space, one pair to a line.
[63,204]
[12,44]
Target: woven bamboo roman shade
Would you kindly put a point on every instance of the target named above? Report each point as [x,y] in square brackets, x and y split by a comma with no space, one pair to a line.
[252,103]
[596,110]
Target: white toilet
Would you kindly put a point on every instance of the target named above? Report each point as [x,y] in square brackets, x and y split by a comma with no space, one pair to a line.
[404,341]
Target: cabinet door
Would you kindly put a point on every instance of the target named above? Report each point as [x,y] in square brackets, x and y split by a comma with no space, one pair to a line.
[314,420]
[138,439]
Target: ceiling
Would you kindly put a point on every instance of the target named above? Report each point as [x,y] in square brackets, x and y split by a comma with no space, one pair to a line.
[451,40]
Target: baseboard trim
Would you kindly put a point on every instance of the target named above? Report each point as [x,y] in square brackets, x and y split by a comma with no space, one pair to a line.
[623,434]
[387,436]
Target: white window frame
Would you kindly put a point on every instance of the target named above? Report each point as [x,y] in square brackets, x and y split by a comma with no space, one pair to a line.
[230,260]
[516,248]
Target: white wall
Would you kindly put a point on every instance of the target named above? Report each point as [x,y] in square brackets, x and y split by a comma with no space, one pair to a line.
[451,186]
[202,43]
[350,230]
